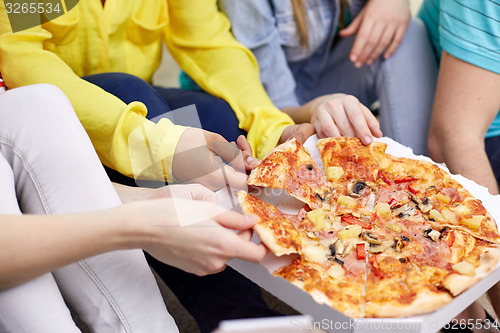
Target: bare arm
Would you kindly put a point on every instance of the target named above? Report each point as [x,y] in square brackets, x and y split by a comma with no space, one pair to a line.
[466,102]
[187,191]
[32,245]
[188,234]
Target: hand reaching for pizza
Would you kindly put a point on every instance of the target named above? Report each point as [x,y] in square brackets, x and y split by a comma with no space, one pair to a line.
[195,236]
[208,159]
[380,26]
[343,115]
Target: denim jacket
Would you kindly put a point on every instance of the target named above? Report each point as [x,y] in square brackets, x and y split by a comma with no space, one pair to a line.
[268,28]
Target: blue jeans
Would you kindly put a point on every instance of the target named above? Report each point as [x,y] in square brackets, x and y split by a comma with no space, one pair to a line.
[492,146]
[209,299]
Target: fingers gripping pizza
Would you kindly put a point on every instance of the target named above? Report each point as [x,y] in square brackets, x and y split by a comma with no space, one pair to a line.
[380,236]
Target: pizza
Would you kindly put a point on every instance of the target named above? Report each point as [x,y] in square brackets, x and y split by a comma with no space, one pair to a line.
[379,236]
[289,166]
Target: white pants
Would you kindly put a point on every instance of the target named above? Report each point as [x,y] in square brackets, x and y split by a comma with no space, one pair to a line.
[48,166]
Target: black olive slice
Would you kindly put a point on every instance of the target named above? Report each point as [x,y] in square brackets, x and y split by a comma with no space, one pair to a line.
[360,186]
[338,261]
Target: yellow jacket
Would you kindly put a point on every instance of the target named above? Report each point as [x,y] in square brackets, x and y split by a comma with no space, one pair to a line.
[126,36]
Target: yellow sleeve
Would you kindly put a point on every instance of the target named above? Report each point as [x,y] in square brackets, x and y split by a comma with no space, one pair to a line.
[199,38]
[123,138]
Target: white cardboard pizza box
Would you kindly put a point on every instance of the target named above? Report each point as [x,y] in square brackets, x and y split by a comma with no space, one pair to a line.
[290,324]
[327,318]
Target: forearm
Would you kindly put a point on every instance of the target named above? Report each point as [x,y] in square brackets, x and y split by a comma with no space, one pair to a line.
[300,114]
[33,245]
[466,103]
[466,156]
[131,194]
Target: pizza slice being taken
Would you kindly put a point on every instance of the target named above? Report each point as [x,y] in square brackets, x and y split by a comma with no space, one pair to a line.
[289,166]
[275,228]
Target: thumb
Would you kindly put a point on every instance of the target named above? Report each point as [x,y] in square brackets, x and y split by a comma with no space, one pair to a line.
[244,145]
[236,221]
[352,28]
[250,161]
[303,132]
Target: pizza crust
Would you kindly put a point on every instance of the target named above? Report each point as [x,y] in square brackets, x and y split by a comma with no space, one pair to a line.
[425,301]
[267,237]
[264,227]
[456,283]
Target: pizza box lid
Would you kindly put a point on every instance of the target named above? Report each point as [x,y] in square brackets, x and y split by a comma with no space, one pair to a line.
[328,318]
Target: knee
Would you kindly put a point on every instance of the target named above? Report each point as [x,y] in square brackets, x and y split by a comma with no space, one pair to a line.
[35,93]
[217,116]
[122,85]
[416,31]
[213,108]
[38,106]
[415,38]
[416,27]
[223,112]
[38,99]
[50,102]
[416,49]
